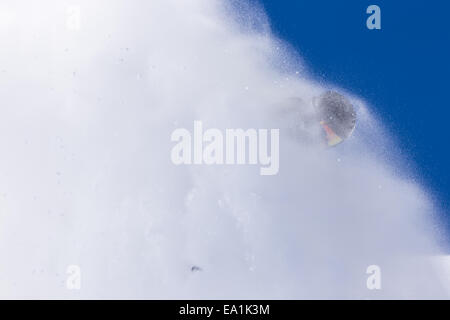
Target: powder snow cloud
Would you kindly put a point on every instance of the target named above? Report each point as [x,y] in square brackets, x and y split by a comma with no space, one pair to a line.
[87,109]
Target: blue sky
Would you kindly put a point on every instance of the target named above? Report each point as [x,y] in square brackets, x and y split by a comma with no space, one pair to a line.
[402,70]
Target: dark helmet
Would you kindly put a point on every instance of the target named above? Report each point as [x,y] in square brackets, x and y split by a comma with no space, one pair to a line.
[336,113]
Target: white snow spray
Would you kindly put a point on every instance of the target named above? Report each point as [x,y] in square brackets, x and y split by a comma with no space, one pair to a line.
[91,205]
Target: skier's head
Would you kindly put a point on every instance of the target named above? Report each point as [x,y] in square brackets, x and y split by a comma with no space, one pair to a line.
[337,113]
